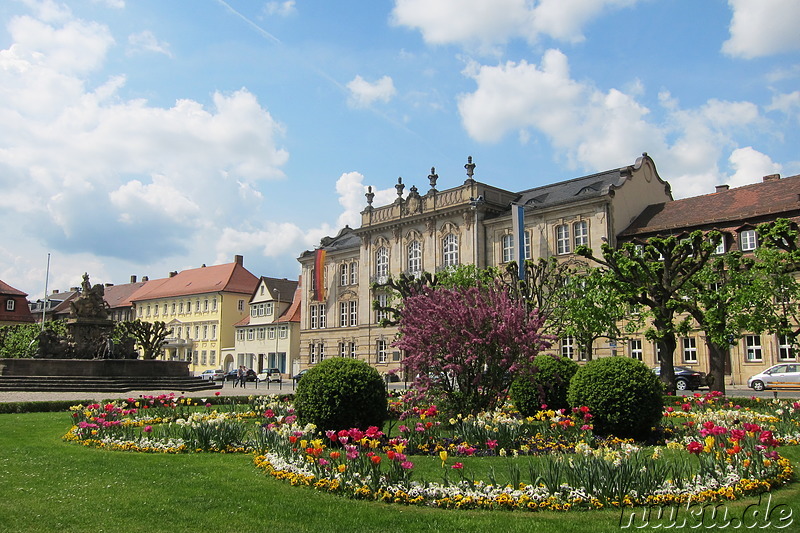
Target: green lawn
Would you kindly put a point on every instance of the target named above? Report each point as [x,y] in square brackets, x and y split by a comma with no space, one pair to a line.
[50,485]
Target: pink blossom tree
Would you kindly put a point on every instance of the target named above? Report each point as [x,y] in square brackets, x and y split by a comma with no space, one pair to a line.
[464,344]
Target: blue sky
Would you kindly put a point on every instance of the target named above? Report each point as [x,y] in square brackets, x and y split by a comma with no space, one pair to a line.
[141,137]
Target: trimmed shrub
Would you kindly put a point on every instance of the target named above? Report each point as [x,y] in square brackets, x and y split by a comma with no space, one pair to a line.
[624,396]
[548,384]
[341,393]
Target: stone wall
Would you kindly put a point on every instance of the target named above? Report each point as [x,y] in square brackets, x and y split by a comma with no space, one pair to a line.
[93,367]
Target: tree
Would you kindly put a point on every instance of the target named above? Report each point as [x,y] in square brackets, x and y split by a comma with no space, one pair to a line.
[464,344]
[149,336]
[653,275]
[22,340]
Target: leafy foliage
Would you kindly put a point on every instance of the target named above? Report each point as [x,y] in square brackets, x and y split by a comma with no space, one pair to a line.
[149,336]
[625,397]
[463,344]
[22,340]
[547,385]
[342,393]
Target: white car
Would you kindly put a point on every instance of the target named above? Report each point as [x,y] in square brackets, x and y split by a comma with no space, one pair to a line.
[212,375]
[780,373]
[270,375]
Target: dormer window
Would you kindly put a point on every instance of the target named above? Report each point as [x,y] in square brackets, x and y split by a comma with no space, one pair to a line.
[748,240]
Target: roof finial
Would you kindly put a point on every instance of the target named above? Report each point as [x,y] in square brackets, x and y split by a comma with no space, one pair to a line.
[470,166]
[370,195]
[432,178]
[399,187]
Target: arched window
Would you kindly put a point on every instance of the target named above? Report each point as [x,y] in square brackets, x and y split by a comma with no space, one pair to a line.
[580,232]
[414,258]
[382,262]
[450,250]
[562,239]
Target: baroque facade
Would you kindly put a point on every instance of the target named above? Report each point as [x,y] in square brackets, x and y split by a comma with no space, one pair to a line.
[467,224]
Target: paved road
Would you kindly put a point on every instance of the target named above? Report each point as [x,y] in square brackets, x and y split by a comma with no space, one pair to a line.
[285,387]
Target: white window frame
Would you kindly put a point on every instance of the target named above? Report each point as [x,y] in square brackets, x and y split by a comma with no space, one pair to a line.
[283,331]
[414,255]
[354,273]
[562,239]
[271,333]
[689,349]
[748,240]
[382,262]
[636,350]
[343,315]
[506,248]
[312,322]
[568,347]
[785,349]
[353,312]
[381,348]
[344,275]
[527,242]
[353,349]
[580,233]
[10,303]
[450,250]
[312,353]
[383,299]
[323,323]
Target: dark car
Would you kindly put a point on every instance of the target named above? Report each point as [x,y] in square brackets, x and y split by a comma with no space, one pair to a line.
[686,378]
[299,375]
[231,375]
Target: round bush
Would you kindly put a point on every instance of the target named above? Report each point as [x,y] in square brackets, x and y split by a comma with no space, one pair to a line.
[548,385]
[341,393]
[624,396]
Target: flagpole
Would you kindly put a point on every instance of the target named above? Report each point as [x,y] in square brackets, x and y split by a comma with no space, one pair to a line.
[46,279]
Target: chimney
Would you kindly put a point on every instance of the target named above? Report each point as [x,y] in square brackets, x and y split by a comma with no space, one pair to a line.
[772,177]
[238,259]
[109,284]
[145,278]
[55,291]
[721,188]
[133,279]
[173,273]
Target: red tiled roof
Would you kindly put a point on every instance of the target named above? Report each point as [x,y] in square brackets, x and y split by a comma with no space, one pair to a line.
[230,277]
[292,314]
[120,295]
[742,205]
[5,288]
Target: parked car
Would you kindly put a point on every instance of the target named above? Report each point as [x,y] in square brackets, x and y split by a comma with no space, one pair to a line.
[783,372]
[250,375]
[212,375]
[270,375]
[299,375]
[686,378]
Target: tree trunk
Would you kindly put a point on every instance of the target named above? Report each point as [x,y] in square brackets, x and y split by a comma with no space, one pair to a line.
[716,366]
[668,344]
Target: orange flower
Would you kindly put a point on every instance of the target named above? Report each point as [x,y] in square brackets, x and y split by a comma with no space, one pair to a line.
[376,459]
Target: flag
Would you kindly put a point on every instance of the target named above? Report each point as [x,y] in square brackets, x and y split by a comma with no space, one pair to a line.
[518,229]
[319,275]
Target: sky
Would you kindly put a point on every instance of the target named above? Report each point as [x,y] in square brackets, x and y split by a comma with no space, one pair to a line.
[139,137]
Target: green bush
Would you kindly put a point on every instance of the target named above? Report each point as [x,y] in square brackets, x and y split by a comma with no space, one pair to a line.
[341,393]
[548,385]
[624,396]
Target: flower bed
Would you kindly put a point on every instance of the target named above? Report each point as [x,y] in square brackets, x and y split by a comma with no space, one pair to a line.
[711,451]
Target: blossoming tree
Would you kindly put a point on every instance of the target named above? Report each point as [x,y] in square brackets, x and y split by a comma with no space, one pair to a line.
[465,343]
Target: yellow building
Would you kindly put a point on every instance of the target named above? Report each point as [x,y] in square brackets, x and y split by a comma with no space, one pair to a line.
[200,307]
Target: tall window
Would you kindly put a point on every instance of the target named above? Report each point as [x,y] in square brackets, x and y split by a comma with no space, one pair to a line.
[268,308]
[321,350]
[635,346]
[720,249]
[344,276]
[312,353]
[785,350]
[382,301]
[414,258]
[568,347]
[344,314]
[250,334]
[748,240]
[353,312]
[213,359]
[450,250]
[507,243]
[271,333]
[382,262]
[689,350]
[322,319]
[354,273]
[342,349]
[240,305]
[562,239]
[381,350]
[283,331]
[213,331]
[353,350]
[313,312]
[580,231]
[527,239]
[752,345]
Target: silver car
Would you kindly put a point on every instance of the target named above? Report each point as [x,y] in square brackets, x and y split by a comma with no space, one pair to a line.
[780,373]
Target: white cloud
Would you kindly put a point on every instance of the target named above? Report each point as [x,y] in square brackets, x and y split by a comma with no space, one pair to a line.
[750,166]
[788,104]
[146,41]
[281,9]
[484,25]
[364,94]
[595,129]
[117,4]
[762,27]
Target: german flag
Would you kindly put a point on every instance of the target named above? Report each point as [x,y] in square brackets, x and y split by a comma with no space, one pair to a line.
[319,275]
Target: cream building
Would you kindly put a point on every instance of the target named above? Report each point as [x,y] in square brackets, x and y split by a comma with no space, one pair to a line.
[269,336]
[200,307]
[467,224]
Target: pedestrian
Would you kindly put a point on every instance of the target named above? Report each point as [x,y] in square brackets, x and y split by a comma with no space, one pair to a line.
[240,376]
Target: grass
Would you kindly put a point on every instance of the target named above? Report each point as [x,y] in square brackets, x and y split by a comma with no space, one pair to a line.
[50,485]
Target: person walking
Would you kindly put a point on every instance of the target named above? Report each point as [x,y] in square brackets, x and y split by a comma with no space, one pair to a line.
[241,374]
